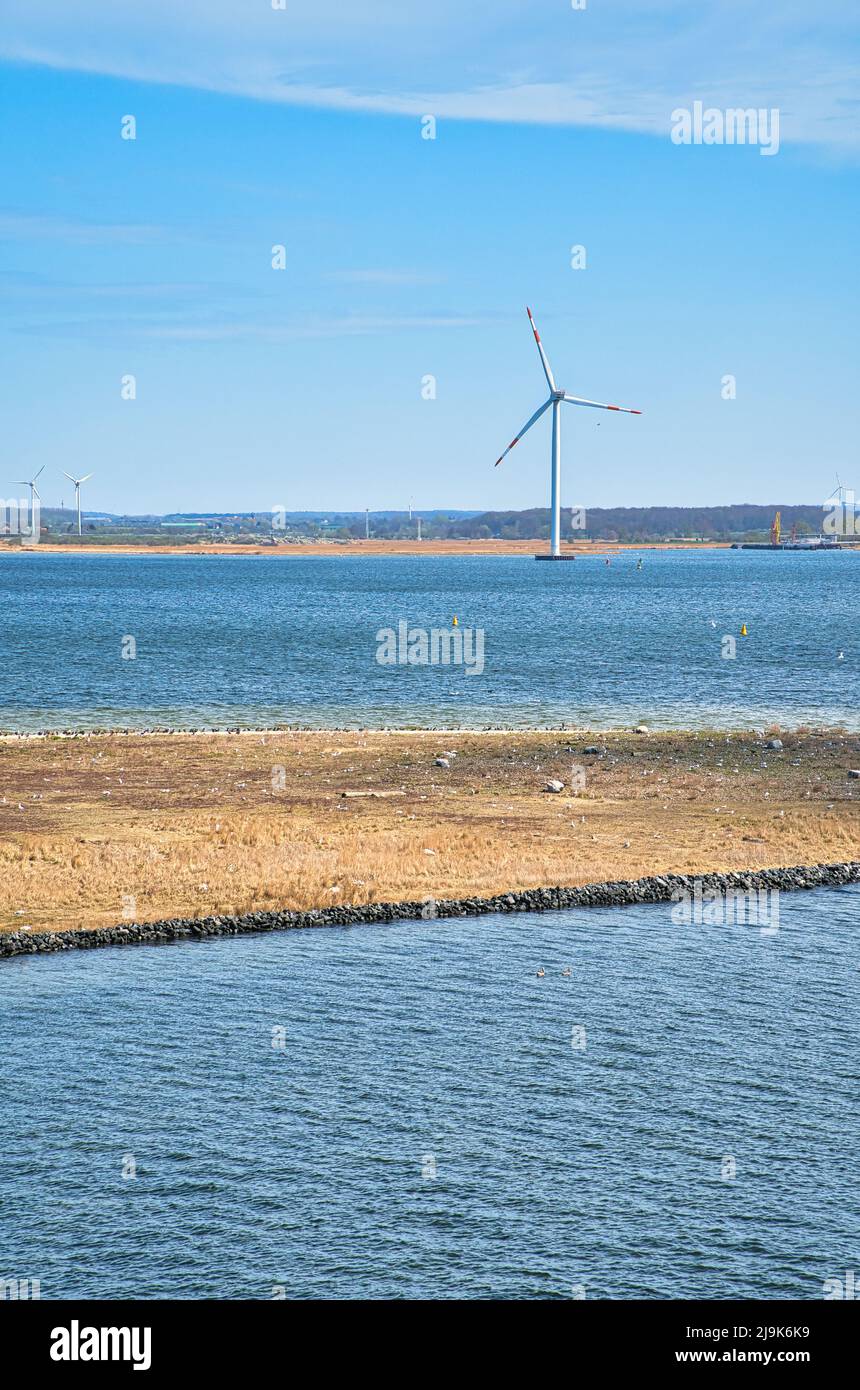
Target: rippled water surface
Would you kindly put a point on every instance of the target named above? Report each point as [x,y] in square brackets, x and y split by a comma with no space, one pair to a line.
[428,1130]
[225,640]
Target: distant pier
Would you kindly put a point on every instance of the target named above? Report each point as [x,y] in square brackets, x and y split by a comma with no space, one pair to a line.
[796,545]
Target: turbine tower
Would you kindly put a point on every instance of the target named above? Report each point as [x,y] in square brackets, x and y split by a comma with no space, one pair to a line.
[555,400]
[34,497]
[77,482]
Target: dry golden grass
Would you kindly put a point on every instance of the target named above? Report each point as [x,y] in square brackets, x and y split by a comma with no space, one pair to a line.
[97,828]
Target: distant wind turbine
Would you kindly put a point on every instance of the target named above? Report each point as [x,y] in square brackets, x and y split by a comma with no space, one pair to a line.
[555,399]
[77,482]
[34,497]
[840,491]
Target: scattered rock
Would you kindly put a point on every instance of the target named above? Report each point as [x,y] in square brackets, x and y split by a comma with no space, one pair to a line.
[594,750]
[641,729]
[373,794]
[854,772]
[774,743]
[441,762]
[553,785]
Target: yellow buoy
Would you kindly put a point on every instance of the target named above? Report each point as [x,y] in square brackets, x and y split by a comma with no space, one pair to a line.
[744,632]
[454,620]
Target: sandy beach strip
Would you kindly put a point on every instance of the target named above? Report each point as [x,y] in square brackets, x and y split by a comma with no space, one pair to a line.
[526,549]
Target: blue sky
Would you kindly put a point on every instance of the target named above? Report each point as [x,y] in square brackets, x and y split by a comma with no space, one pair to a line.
[407,257]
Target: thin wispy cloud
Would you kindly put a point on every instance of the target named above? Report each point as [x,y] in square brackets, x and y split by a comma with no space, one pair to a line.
[167,328]
[622,66]
[17,226]
[347,326]
[406,278]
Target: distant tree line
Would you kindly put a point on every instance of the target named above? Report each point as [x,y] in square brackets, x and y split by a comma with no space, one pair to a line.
[742,521]
[738,522]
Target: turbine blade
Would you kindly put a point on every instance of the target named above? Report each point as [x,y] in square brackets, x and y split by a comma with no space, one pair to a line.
[599,405]
[526,427]
[41,470]
[69,476]
[84,478]
[543,357]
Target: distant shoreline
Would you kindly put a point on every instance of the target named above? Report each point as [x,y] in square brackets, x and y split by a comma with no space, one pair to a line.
[371,547]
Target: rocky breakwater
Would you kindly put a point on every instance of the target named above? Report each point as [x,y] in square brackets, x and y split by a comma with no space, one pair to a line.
[662,888]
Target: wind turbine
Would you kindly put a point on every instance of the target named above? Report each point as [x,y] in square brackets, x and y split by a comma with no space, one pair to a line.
[34,497]
[845,502]
[555,400]
[77,482]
